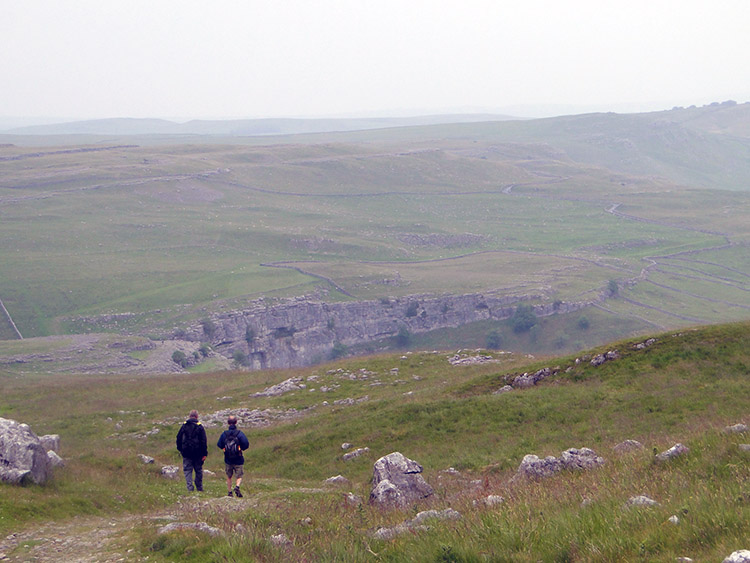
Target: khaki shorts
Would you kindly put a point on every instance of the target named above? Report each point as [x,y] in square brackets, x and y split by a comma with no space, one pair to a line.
[236,470]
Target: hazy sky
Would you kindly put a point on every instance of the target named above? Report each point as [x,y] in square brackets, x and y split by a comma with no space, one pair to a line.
[222,58]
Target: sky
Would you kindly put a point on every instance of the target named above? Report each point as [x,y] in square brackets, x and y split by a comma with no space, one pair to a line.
[183,59]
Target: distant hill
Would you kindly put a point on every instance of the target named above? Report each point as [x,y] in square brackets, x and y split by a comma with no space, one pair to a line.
[241,127]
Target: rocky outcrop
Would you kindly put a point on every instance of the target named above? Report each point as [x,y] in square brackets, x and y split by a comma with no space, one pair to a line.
[23,458]
[533,467]
[398,482]
[300,331]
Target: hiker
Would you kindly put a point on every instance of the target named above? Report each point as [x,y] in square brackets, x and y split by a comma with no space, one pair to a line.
[192,444]
[233,442]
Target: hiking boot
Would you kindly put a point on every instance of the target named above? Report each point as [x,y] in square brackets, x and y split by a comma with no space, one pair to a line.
[237,492]
[229,494]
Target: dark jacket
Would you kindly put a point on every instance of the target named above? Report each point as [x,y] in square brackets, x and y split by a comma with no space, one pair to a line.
[244,444]
[192,432]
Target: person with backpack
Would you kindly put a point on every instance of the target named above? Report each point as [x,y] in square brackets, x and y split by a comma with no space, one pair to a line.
[192,444]
[233,442]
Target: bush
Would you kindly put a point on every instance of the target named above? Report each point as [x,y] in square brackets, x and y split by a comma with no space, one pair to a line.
[249,335]
[613,288]
[494,340]
[209,328]
[583,323]
[412,309]
[240,358]
[180,358]
[523,319]
[205,349]
[403,338]
[339,350]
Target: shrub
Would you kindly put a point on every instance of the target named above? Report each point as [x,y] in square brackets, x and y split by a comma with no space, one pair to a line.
[205,349]
[249,335]
[613,288]
[583,323]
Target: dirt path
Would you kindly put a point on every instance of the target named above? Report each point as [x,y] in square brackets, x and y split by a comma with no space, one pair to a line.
[98,539]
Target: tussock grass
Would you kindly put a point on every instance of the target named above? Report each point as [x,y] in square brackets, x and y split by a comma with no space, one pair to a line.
[684,388]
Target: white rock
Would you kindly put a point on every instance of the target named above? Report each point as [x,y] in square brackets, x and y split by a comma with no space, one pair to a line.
[741,556]
[641,500]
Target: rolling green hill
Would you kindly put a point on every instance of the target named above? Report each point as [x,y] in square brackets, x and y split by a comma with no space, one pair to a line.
[685,387]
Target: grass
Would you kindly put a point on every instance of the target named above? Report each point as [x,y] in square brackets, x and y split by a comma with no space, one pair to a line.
[685,388]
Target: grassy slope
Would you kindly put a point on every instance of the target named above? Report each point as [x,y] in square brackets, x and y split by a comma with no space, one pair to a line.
[684,388]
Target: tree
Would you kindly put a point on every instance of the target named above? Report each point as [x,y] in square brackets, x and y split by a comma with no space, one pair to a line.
[583,323]
[523,318]
[412,309]
[209,328]
[240,358]
[339,350]
[205,349]
[613,288]
[249,335]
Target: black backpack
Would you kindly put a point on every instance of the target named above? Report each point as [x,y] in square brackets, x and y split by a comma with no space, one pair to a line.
[232,444]
[190,440]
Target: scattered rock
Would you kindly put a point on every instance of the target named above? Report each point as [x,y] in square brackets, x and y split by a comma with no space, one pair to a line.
[346,446]
[193,526]
[744,447]
[23,458]
[736,429]
[641,500]
[684,560]
[397,481]
[646,344]
[447,514]
[280,540]
[674,519]
[628,446]
[675,451]
[599,359]
[291,384]
[741,556]
[54,460]
[51,442]
[338,480]
[145,458]
[352,499]
[504,389]
[580,459]
[170,471]
[491,500]
[355,454]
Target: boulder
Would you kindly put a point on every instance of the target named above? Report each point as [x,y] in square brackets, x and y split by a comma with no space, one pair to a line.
[736,429]
[628,446]
[51,442]
[23,458]
[170,471]
[741,556]
[397,481]
[54,460]
[675,451]
[503,389]
[533,467]
[641,500]
[145,458]
[339,480]
[583,458]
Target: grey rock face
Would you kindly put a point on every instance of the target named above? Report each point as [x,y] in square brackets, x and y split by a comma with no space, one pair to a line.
[23,459]
[741,556]
[397,481]
[675,451]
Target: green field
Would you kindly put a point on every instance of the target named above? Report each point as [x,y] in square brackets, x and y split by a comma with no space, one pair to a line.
[171,231]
